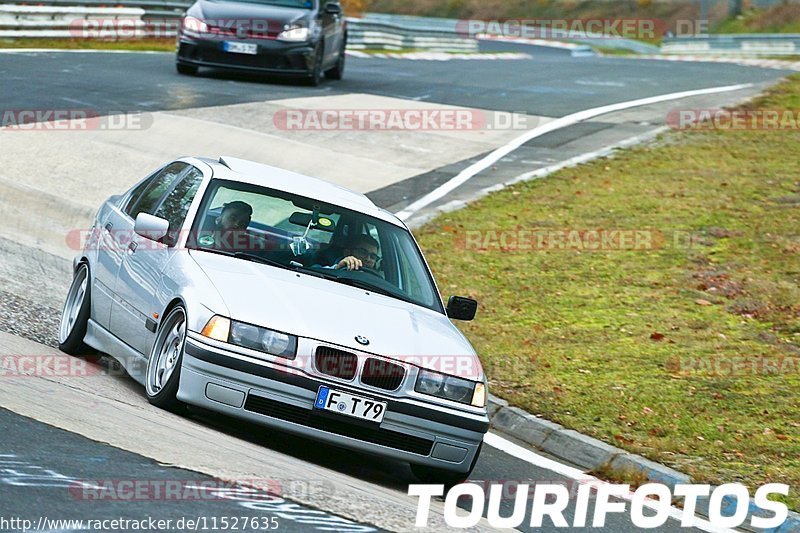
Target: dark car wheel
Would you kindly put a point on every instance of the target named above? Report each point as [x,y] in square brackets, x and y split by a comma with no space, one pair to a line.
[188,70]
[75,316]
[317,75]
[337,72]
[438,476]
[164,364]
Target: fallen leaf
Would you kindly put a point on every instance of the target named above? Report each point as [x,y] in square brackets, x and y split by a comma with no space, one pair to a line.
[621,438]
[656,336]
[700,301]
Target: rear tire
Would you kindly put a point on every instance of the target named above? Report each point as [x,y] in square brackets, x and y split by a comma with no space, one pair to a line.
[75,315]
[186,70]
[439,476]
[166,357]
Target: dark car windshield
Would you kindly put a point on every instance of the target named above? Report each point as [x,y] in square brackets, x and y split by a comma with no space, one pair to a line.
[294,232]
[297,4]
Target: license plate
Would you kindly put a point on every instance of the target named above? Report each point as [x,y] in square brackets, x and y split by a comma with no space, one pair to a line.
[349,404]
[240,48]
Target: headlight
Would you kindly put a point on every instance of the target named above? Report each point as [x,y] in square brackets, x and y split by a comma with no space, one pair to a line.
[447,387]
[252,337]
[294,34]
[194,25]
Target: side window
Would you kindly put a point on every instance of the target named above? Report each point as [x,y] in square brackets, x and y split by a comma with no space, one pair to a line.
[176,204]
[138,192]
[154,189]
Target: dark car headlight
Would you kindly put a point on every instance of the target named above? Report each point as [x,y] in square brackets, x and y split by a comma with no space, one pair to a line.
[295,34]
[300,31]
[451,388]
[253,337]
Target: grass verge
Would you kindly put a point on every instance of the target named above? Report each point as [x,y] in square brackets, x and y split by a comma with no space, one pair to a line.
[685,351]
[138,45]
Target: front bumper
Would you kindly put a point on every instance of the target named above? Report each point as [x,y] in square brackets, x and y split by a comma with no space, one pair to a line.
[266,394]
[273,57]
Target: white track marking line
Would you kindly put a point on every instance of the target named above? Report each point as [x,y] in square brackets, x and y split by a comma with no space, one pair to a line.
[496,441]
[569,120]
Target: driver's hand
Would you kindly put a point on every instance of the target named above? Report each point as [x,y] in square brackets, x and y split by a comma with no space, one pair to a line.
[350,263]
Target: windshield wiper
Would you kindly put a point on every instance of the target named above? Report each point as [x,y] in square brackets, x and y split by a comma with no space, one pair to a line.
[247,257]
[373,288]
[258,259]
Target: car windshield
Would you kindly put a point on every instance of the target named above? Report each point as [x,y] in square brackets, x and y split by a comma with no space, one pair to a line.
[294,232]
[297,4]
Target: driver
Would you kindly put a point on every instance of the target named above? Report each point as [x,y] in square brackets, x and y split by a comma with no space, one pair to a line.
[361,251]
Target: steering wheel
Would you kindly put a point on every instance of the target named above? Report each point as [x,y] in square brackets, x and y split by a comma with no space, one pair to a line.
[370,271]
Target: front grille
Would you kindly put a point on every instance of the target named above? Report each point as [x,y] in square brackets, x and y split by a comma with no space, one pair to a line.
[382,374]
[336,363]
[306,417]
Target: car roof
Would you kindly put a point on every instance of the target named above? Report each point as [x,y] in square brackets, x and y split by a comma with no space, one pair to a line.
[253,173]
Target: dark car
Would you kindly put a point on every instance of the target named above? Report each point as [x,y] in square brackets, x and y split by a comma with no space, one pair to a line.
[305,38]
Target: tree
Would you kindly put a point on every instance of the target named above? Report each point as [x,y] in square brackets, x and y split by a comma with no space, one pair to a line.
[355,8]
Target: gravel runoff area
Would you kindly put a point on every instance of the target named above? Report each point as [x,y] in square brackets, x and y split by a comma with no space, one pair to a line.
[33,285]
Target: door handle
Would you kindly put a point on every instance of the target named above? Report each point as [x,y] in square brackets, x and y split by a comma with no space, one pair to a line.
[132,246]
[109,226]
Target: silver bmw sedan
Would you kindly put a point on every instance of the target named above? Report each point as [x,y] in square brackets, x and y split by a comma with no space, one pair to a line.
[282,300]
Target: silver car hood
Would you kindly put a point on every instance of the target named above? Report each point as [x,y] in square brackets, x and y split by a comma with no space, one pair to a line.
[335,313]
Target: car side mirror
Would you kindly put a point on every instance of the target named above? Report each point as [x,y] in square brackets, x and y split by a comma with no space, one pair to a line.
[151,227]
[460,308]
[333,8]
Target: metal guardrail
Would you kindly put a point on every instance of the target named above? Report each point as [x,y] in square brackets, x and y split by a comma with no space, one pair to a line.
[367,33]
[65,22]
[459,26]
[159,18]
[746,45]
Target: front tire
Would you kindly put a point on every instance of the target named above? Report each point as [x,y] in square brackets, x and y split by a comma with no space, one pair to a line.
[164,365]
[337,72]
[75,316]
[317,75]
[186,70]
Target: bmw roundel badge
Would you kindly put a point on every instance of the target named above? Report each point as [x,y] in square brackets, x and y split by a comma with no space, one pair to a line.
[362,340]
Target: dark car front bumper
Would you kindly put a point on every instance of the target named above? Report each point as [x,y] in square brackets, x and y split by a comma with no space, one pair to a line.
[273,57]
